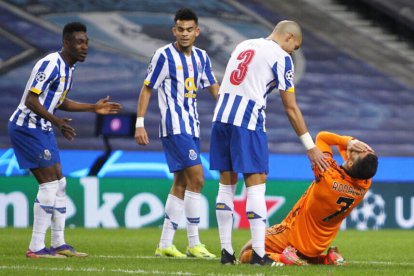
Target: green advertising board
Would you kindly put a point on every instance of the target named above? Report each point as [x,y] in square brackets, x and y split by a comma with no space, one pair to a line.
[136,202]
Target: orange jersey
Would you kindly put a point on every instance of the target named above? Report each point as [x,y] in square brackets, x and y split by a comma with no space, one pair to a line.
[315,219]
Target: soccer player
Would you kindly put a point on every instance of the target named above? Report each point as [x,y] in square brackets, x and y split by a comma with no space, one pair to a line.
[179,71]
[238,137]
[34,143]
[315,219]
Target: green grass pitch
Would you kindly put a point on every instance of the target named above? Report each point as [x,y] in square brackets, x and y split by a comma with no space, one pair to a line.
[131,252]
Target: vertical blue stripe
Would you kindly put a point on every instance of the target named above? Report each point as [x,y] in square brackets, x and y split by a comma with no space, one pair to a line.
[259,124]
[203,66]
[288,66]
[222,107]
[174,89]
[41,69]
[16,116]
[234,108]
[247,114]
[196,83]
[208,71]
[52,88]
[157,70]
[186,99]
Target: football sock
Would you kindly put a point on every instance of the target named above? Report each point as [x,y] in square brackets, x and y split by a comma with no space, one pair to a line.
[42,214]
[59,215]
[173,212]
[192,213]
[224,214]
[257,215]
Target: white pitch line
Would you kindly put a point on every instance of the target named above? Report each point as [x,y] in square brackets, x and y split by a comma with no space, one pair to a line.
[148,257]
[128,271]
[380,263]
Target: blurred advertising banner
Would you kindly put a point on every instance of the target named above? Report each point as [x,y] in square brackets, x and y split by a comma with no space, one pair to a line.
[138,202]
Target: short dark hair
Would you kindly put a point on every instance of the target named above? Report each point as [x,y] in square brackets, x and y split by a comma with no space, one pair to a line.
[365,168]
[186,14]
[72,27]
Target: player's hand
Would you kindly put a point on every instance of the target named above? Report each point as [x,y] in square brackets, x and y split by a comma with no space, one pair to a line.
[141,136]
[67,131]
[358,146]
[104,106]
[317,158]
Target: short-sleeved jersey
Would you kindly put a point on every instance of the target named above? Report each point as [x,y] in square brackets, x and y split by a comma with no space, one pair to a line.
[316,218]
[179,78]
[51,78]
[255,68]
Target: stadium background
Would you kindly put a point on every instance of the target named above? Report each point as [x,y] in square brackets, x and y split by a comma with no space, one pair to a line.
[353,73]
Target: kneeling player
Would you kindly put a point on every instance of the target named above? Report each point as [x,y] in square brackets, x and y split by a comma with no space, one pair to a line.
[311,225]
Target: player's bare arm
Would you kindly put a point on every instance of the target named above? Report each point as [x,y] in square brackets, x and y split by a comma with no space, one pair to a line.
[141,136]
[103,106]
[32,102]
[214,89]
[298,123]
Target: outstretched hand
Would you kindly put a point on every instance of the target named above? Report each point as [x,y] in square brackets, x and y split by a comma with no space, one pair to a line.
[104,107]
[317,158]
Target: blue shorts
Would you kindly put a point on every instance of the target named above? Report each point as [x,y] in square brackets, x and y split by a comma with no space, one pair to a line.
[181,151]
[238,149]
[33,147]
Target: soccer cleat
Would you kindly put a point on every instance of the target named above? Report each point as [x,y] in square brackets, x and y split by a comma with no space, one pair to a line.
[227,258]
[43,253]
[333,257]
[68,251]
[257,260]
[289,257]
[170,251]
[199,251]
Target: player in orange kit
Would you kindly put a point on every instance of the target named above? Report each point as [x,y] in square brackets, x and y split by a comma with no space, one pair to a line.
[315,219]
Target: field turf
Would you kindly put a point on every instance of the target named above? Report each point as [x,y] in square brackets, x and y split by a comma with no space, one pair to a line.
[129,252]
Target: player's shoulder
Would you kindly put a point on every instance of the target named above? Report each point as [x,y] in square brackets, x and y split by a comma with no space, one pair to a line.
[163,49]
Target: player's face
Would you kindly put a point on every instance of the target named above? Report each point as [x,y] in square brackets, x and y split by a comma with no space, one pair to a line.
[185,32]
[291,43]
[76,46]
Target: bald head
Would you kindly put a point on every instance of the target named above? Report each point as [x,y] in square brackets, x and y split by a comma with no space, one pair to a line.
[286,26]
[288,35]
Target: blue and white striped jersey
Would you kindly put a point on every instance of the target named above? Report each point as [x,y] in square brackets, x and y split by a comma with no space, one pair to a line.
[51,78]
[255,68]
[178,79]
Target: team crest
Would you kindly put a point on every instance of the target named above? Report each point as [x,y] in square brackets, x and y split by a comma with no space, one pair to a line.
[40,76]
[199,68]
[192,154]
[47,155]
[289,75]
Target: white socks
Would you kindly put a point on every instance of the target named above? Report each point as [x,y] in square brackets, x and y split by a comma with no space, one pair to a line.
[59,215]
[192,213]
[257,214]
[173,212]
[224,214]
[42,214]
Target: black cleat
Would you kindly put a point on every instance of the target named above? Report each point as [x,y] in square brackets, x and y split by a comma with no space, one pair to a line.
[257,260]
[227,258]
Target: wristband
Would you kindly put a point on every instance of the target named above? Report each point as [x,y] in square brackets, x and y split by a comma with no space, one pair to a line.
[140,122]
[307,141]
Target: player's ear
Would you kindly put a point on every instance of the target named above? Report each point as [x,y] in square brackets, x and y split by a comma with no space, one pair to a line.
[197,31]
